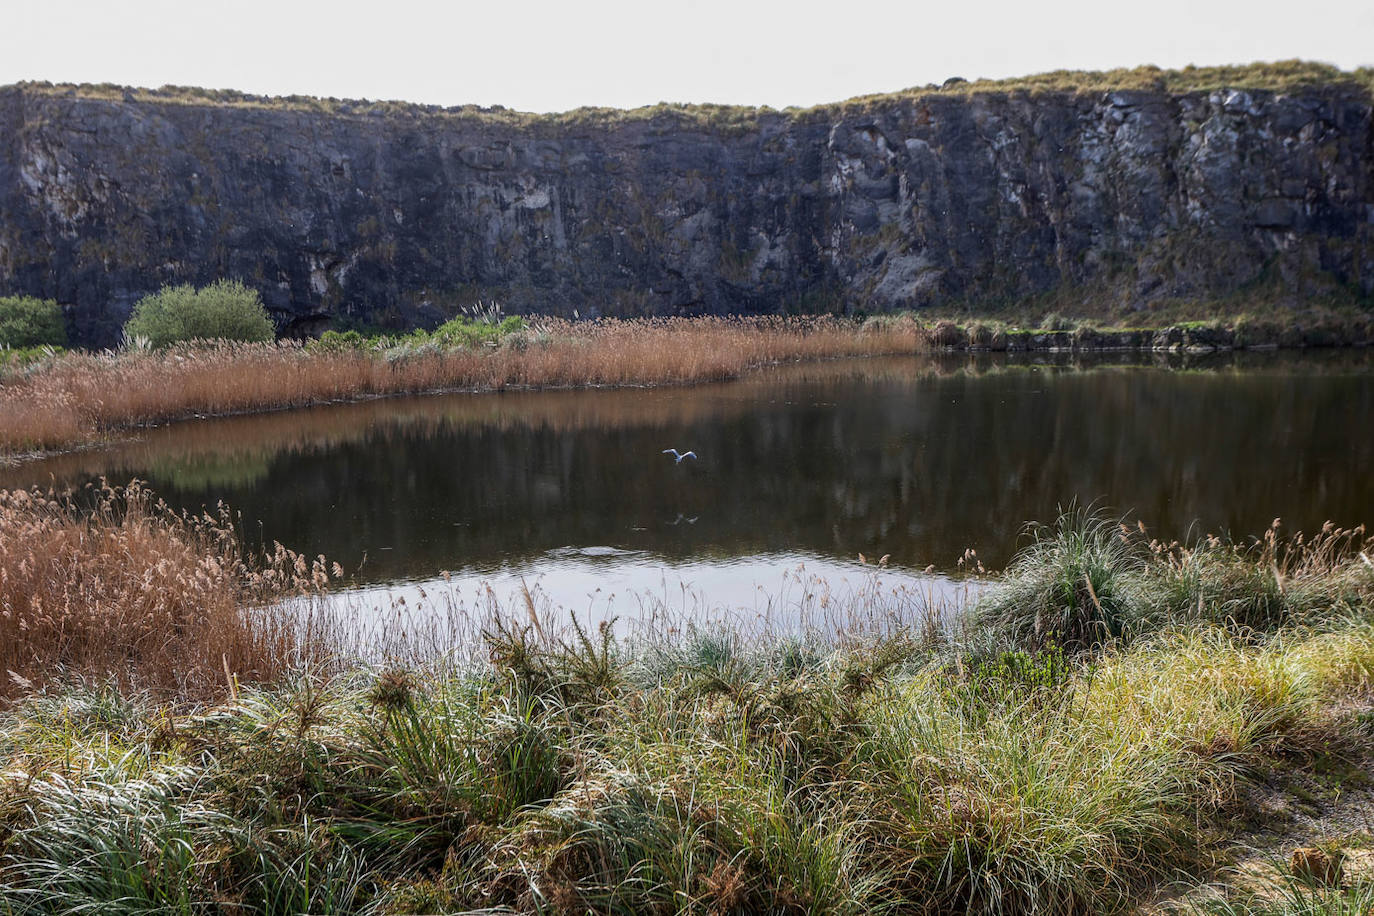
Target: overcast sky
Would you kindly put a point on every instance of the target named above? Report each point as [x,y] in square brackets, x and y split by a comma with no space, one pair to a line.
[539,55]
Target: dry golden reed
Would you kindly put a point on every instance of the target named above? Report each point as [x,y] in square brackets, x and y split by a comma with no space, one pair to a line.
[80,397]
[111,583]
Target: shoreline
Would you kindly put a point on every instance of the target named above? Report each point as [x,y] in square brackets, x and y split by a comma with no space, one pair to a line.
[1214,335]
[1197,717]
[900,335]
[76,398]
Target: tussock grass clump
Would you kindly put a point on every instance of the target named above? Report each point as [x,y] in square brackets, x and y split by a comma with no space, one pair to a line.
[1270,582]
[1089,581]
[1075,584]
[111,582]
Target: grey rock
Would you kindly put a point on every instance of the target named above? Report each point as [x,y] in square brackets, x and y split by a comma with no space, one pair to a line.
[1275,213]
[400,215]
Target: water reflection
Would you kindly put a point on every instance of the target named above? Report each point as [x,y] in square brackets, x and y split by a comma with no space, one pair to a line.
[915,457]
[789,595]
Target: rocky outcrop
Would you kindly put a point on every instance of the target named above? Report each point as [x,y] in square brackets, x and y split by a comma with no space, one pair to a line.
[385,214]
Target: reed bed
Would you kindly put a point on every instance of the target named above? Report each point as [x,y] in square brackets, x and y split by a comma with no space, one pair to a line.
[110,583]
[989,767]
[79,397]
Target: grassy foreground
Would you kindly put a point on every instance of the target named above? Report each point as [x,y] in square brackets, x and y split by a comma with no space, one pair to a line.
[1091,730]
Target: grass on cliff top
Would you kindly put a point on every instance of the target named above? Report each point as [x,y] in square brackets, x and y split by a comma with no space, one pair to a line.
[571,772]
[1281,76]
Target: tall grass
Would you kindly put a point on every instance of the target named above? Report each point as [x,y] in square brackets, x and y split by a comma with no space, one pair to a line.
[1290,896]
[111,582]
[79,397]
[1073,584]
[699,775]
[1064,769]
[1090,580]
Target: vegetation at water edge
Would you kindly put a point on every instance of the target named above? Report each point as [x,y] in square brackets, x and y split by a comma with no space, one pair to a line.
[76,398]
[1094,728]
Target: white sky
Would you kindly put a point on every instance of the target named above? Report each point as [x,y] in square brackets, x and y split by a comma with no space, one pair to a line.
[544,55]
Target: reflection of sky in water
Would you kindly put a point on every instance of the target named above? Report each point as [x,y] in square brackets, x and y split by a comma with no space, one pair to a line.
[787,593]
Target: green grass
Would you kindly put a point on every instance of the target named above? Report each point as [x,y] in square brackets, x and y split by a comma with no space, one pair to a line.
[27,357]
[997,769]
[1254,321]
[1288,896]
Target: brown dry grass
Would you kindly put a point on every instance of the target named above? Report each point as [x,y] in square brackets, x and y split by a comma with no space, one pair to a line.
[110,582]
[79,398]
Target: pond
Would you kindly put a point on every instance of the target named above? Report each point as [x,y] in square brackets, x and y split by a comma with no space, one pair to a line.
[799,472]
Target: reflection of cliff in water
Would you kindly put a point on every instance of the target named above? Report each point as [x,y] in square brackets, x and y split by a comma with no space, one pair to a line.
[915,457]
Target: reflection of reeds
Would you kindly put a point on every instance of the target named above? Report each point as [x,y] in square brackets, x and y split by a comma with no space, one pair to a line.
[236,447]
[230,449]
[81,396]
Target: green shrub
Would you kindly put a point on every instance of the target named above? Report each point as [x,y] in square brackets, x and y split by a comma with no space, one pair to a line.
[224,310]
[463,332]
[469,332]
[1057,322]
[341,342]
[1009,679]
[29,322]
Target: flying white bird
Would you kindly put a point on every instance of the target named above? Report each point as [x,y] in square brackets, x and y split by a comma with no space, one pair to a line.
[679,455]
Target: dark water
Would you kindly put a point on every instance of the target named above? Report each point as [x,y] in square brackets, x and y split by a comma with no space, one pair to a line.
[916,458]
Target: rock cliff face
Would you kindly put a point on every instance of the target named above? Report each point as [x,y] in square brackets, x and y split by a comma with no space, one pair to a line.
[350,212]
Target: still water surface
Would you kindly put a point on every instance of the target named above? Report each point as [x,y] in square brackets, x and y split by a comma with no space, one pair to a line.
[800,470]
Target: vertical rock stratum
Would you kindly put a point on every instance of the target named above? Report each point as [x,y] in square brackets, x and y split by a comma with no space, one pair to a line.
[1141,187]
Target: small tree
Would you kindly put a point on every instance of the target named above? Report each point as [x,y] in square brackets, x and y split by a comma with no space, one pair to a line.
[224,310]
[29,322]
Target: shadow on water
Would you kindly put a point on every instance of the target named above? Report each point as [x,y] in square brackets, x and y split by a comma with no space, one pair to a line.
[917,458]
